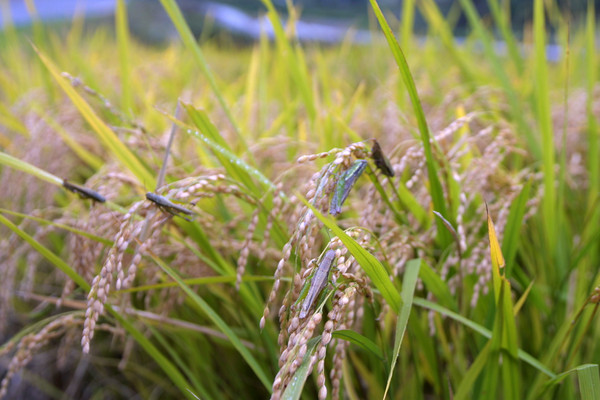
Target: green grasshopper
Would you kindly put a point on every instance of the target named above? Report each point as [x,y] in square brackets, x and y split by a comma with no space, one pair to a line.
[344,184]
[83,192]
[317,283]
[168,206]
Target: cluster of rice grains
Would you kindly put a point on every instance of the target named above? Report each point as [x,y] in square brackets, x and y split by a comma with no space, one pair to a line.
[301,311]
[139,234]
[473,152]
[470,149]
[299,323]
[31,343]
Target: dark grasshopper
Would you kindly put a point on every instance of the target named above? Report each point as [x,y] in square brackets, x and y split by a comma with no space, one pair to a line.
[84,192]
[344,184]
[168,206]
[317,283]
[381,160]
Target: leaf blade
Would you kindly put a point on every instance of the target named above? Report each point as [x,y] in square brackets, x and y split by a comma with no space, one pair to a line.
[359,340]
[435,189]
[106,135]
[409,284]
[218,321]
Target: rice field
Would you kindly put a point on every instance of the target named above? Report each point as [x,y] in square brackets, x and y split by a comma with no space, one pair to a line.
[407,219]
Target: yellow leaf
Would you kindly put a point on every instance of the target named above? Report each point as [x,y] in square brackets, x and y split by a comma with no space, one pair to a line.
[497,257]
[104,132]
[495,251]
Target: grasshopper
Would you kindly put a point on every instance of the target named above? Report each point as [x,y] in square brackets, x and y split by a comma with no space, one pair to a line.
[344,184]
[168,206]
[381,160]
[317,283]
[83,192]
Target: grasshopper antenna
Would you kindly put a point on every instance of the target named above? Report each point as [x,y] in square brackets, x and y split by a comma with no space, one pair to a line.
[159,182]
[163,170]
[162,202]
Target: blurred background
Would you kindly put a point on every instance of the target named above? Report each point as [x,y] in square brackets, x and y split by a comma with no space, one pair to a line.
[326,21]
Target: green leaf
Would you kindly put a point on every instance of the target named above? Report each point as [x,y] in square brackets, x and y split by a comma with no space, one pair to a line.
[398,216]
[219,264]
[468,381]
[498,65]
[15,163]
[502,20]
[181,364]
[203,306]
[409,201]
[409,284]
[435,189]
[106,135]
[89,158]
[559,378]
[436,285]
[588,378]
[509,336]
[9,121]
[359,340]
[372,267]
[440,27]
[510,366]
[241,172]
[528,358]
[67,228]
[50,256]
[544,119]
[237,168]
[208,280]
[190,43]
[512,230]
[589,381]
[122,28]
[592,128]
[294,390]
[138,336]
[294,60]
[408,18]
[151,349]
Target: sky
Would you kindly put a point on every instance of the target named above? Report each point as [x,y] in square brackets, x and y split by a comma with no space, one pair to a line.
[54,9]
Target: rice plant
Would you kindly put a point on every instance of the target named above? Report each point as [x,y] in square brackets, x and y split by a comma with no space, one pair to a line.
[404,219]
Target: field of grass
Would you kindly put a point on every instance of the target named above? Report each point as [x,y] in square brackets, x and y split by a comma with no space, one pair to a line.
[463,264]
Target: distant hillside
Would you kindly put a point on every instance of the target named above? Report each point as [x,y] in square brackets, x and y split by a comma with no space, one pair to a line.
[521,11]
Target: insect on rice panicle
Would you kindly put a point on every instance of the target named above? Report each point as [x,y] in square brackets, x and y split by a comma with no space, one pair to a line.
[381,161]
[344,184]
[84,192]
[317,283]
[168,206]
